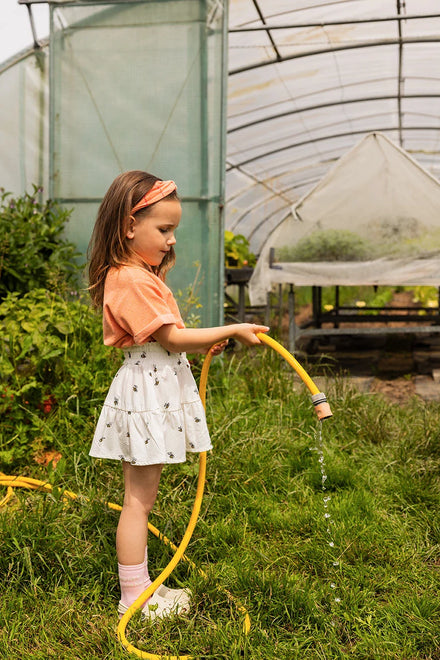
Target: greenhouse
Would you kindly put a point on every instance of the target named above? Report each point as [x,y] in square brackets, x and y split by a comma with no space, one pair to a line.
[251,104]
[221,440]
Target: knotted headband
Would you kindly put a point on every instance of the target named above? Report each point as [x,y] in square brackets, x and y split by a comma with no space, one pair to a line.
[159,190]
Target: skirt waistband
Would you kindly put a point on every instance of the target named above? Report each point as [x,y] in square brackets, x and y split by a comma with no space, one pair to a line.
[151,350]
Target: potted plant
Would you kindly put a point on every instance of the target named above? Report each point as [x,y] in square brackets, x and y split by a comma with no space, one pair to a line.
[239,260]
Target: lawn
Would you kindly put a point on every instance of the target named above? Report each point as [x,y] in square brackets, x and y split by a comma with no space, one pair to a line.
[349,571]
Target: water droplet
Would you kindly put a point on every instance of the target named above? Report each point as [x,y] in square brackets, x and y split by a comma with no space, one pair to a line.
[331,544]
[333,586]
[337,600]
[326,515]
[335,563]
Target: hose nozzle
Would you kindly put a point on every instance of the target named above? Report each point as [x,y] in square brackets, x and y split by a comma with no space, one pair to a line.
[322,408]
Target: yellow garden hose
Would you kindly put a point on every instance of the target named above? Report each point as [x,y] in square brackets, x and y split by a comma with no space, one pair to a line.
[319,400]
[323,411]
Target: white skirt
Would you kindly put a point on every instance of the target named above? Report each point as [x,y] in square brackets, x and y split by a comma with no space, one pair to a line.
[153,412]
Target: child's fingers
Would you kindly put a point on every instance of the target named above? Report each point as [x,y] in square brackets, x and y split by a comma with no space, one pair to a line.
[261,328]
[219,348]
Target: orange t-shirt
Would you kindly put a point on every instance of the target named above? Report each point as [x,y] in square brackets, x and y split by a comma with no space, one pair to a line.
[136,304]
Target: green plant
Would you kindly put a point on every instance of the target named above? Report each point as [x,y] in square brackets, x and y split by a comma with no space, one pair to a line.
[329,245]
[51,359]
[427,296]
[237,252]
[33,252]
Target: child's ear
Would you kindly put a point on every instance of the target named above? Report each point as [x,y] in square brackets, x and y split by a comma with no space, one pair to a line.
[130,230]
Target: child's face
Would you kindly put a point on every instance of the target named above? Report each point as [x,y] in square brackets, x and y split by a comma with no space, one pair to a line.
[152,236]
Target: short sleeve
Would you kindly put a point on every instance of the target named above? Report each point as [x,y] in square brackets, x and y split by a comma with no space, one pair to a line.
[136,304]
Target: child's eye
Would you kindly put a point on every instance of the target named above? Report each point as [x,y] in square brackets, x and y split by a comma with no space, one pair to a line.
[167,230]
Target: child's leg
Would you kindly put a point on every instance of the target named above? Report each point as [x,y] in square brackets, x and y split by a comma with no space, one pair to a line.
[141,486]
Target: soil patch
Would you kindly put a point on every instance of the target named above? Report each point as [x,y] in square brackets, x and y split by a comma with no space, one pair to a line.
[398,390]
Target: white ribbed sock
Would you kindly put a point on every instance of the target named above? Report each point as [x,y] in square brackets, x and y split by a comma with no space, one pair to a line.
[132,581]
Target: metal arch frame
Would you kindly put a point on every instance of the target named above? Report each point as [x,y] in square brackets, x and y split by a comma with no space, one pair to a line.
[355,83]
[255,179]
[333,125]
[334,155]
[326,89]
[260,224]
[354,21]
[374,43]
[311,181]
[277,224]
[250,209]
[272,195]
[282,174]
[330,104]
[399,75]
[328,156]
[323,127]
[386,129]
[267,30]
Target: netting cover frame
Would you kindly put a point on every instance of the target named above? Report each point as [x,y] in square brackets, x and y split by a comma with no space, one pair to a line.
[375,188]
[182,136]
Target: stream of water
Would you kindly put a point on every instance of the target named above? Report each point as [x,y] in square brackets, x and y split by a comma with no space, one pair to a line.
[319,448]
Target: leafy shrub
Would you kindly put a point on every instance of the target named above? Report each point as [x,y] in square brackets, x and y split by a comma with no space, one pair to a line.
[330,245]
[52,360]
[33,252]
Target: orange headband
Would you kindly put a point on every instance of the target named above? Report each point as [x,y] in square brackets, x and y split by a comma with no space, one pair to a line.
[159,190]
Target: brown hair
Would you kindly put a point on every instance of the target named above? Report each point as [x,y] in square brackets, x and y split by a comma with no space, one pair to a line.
[109,245]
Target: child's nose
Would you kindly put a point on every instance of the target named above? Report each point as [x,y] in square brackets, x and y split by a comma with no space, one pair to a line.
[172,240]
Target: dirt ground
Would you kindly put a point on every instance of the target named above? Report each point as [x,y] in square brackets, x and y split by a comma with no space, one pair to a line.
[397,390]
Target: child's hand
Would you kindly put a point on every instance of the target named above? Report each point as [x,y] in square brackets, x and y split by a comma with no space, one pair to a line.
[246,333]
[219,348]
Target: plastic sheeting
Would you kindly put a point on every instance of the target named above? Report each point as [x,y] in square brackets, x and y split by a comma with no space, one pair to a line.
[373,219]
[307,80]
[24,122]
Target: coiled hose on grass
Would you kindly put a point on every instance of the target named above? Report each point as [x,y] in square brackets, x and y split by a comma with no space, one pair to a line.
[323,411]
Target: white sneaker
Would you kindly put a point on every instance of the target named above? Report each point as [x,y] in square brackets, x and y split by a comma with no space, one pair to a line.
[181,597]
[159,607]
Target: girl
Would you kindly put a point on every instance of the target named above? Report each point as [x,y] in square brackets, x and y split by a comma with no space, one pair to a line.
[152,414]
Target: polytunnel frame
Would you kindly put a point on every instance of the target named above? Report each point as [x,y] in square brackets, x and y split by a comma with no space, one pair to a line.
[270,30]
[235,162]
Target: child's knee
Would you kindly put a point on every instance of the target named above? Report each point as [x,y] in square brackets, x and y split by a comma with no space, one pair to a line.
[139,506]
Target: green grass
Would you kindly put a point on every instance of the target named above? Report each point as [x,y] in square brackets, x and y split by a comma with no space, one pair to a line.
[262,534]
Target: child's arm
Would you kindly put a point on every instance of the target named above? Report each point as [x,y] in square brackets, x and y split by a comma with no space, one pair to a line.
[189,340]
